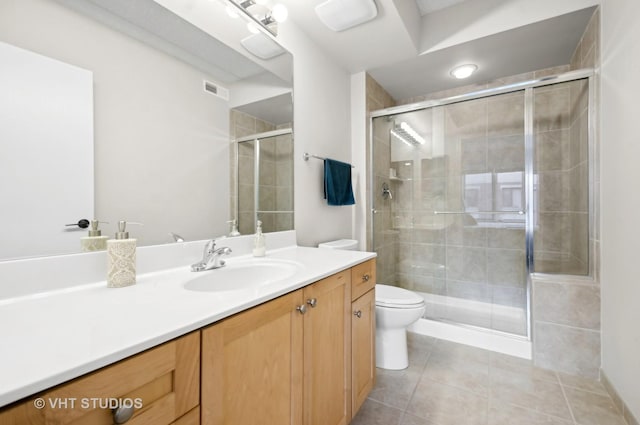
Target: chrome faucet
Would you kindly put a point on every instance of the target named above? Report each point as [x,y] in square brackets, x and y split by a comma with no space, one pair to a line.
[211,258]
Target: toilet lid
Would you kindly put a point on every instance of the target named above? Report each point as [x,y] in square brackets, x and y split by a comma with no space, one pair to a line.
[392,296]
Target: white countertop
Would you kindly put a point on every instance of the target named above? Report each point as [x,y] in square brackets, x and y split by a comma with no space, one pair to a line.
[52,337]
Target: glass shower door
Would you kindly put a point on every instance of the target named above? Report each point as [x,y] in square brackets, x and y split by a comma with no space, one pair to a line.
[453,229]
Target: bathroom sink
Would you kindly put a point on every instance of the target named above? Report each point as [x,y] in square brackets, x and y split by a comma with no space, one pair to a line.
[242,276]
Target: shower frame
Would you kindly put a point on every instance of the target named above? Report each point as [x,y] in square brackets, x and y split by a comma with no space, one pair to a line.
[529,153]
[256,166]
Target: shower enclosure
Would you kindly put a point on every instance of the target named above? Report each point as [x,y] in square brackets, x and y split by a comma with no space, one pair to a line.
[471,194]
[265,181]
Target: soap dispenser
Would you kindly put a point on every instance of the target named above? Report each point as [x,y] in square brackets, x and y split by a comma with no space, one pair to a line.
[234,228]
[121,258]
[94,241]
[259,244]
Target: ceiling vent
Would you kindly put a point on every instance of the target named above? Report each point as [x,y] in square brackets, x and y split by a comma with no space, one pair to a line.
[339,15]
[216,90]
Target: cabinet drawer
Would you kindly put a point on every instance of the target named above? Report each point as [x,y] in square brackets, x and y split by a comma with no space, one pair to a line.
[363,278]
[162,384]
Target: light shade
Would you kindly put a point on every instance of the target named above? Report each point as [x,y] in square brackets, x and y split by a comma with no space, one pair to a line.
[262,46]
[464,71]
[339,15]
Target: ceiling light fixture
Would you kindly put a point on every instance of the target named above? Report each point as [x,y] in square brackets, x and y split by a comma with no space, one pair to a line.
[339,15]
[464,71]
[268,20]
[408,135]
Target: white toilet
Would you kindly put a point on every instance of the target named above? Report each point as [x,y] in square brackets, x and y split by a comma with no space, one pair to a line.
[396,308]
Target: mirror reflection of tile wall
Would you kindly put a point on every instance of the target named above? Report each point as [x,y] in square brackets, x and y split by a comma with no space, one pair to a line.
[275,168]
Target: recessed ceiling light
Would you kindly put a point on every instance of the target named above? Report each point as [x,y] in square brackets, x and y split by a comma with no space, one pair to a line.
[464,71]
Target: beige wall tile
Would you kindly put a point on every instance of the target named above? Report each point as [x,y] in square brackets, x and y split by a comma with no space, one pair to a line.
[566,349]
[567,304]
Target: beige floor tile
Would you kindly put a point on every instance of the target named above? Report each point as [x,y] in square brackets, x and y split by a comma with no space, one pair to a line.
[374,413]
[461,352]
[508,414]
[593,409]
[447,405]
[420,348]
[395,387]
[521,366]
[408,419]
[581,383]
[521,389]
[464,374]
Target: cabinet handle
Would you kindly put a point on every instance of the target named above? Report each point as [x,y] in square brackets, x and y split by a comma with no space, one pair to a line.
[313,302]
[122,414]
[358,313]
[366,278]
[302,309]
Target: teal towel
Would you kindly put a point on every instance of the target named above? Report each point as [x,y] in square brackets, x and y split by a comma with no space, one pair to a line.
[337,183]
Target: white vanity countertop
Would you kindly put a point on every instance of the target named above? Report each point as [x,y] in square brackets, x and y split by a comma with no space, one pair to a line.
[50,338]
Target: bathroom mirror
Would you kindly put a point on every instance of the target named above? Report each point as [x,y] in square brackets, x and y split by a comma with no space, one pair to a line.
[166,76]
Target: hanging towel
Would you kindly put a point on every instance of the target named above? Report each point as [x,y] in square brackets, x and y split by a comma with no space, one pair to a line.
[337,183]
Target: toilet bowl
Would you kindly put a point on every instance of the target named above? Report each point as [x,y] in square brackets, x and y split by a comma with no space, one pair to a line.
[396,308]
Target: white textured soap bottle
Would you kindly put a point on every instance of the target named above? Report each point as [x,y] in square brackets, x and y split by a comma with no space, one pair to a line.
[121,258]
[94,241]
[259,243]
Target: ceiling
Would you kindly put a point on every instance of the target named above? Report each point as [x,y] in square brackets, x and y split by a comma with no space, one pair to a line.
[429,6]
[410,47]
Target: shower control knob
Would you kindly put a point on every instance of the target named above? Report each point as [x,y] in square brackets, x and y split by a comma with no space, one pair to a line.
[366,278]
[302,309]
[358,314]
[312,302]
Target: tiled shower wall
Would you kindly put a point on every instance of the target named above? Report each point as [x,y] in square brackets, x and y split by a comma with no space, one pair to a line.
[566,311]
[384,239]
[276,175]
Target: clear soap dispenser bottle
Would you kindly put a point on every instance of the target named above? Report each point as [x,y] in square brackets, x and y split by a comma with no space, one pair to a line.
[259,244]
[121,258]
[234,228]
[94,241]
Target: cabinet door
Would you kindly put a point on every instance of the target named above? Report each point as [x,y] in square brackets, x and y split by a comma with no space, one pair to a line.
[363,348]
[327,351]
[252,366]
[164,379]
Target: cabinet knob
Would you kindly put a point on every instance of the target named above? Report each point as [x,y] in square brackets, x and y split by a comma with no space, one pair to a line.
[122,414]
[366,278]
[312,302]
[358,313]
[302,309]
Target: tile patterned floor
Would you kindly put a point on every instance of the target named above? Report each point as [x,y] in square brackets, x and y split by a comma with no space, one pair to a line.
[453,384]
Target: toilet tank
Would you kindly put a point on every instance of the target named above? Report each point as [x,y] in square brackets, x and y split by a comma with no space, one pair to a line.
[347,244]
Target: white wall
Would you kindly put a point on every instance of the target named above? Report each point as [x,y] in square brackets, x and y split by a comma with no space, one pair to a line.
[321,102]
[359,123]
[161,143]
[472,20]
[620,198]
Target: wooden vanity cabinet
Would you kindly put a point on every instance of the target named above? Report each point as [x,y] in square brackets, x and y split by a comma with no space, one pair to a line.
[286,361]
[327,351]
[304,358]
[165,379]
[252,365]
[363,331]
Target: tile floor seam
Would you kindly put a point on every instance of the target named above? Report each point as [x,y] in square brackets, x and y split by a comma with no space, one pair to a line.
[573,387]
[566,399]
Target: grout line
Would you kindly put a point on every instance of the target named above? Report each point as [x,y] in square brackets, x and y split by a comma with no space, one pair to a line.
[566,399]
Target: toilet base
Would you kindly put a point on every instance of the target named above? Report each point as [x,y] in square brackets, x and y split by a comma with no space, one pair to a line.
[391,349]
